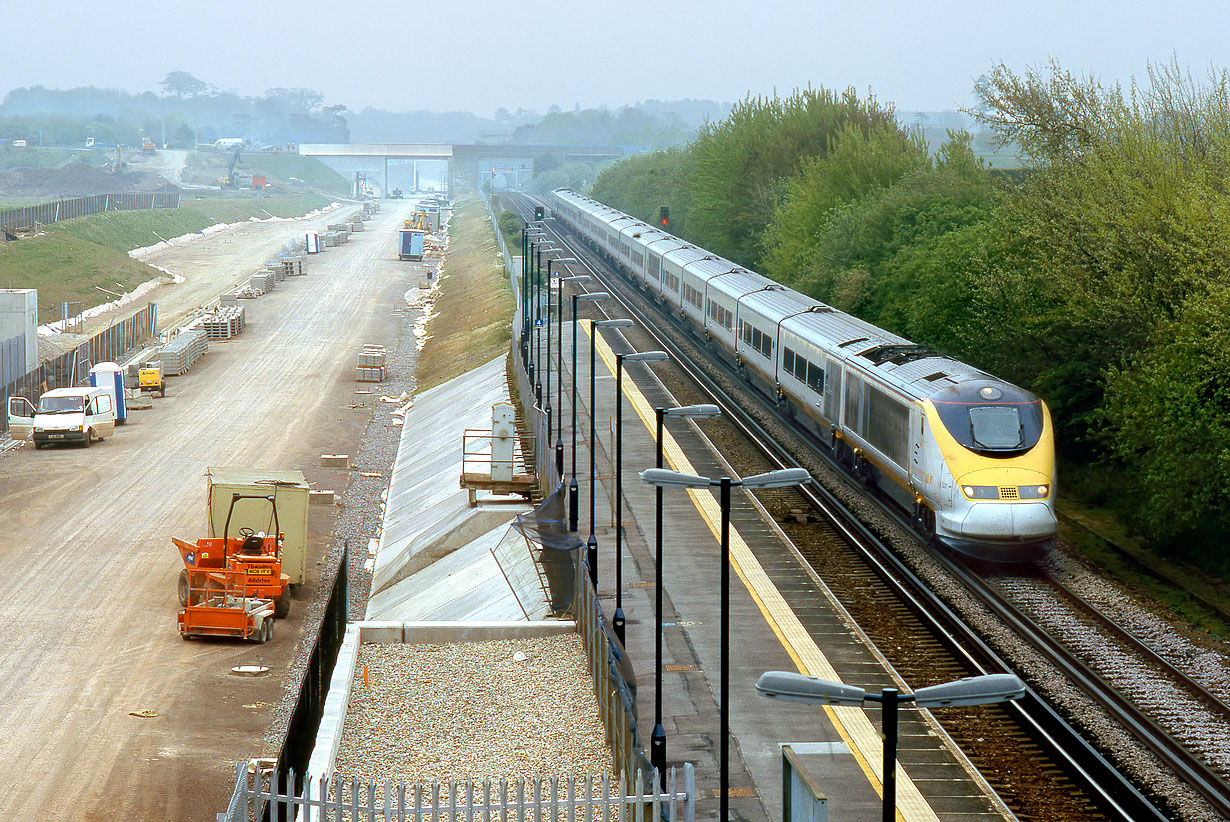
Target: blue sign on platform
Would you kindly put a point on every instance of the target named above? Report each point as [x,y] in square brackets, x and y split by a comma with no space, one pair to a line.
[538,323]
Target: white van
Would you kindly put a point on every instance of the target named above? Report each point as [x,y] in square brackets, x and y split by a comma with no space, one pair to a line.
[64,415]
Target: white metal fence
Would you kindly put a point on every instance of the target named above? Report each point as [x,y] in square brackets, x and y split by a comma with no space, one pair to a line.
[554,799]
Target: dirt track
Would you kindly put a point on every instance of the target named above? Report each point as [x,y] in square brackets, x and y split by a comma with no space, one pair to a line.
[87,570]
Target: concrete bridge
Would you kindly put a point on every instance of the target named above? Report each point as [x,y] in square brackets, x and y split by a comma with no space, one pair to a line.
[465,163]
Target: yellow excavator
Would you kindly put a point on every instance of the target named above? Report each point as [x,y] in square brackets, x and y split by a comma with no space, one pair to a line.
[229,180]
[418,220]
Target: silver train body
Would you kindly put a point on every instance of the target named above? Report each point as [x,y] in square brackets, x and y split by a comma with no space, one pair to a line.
[971,456]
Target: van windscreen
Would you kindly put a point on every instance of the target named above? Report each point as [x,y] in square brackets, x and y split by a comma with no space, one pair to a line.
[61,405]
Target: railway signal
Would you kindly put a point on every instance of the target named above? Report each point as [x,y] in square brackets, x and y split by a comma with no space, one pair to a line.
[664,215]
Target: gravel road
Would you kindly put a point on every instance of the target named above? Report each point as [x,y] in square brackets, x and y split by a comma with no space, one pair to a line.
[87,570]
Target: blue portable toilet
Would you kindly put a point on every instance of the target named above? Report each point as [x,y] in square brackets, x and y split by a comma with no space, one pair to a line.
[110,376]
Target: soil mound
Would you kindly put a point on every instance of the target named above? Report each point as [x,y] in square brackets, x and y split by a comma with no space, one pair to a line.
[76,180]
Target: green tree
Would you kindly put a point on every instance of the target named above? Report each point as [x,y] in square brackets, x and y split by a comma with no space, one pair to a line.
[740,167]
[182,84]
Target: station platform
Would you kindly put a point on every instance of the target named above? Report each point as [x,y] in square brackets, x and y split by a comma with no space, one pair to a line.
[783,617]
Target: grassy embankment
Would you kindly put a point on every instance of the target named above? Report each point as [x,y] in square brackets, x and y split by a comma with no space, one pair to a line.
[72,260]
[474,309]
[206,167]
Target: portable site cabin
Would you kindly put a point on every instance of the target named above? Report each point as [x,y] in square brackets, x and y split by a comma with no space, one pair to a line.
[410,244]
[290,492]
[110,377]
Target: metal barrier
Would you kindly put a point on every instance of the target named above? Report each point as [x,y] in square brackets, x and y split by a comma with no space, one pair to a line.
[73,368]
[562,799]
[27,218]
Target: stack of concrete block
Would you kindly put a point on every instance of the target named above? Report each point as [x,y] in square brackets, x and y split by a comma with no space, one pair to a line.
[177,356]
[229,298]
[278,271]
[224,323]
[372,364]
[262,282]
[356,224]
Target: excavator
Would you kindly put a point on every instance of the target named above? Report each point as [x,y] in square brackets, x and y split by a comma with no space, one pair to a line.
[229,180]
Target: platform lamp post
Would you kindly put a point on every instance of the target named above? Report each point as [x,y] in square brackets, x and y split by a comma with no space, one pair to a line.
[618,622]
[657,739]
[559,396]
[528,234]
[548,247]
[574,488]
[547,393]
[784,478]
[591,545]
[975,690]
[535,367]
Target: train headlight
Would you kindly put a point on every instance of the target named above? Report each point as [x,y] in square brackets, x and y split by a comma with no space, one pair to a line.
[1033,491]
[981,491]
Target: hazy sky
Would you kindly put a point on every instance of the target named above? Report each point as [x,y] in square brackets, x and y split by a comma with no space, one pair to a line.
[476,55]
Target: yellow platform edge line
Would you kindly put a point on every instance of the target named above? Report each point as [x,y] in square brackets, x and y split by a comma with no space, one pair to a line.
[852,724]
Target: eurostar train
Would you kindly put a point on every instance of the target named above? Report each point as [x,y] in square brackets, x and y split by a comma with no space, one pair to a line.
[971,456]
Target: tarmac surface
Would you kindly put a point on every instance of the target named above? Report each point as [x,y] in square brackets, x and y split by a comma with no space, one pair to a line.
[108,714]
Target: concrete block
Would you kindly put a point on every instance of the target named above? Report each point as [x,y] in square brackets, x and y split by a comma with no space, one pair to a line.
[334,460]
[381,633]
[320,497]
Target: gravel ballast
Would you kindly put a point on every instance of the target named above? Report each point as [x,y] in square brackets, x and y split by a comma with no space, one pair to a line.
[504,709]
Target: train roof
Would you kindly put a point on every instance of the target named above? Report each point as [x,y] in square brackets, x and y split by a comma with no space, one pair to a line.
[913,369]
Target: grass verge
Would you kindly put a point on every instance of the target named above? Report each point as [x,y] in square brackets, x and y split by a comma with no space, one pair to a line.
[474,309]
[76,260]
[206,167]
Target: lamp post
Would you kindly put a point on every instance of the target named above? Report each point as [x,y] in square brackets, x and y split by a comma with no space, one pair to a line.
[530,235]
[536,371]
[975,690]
[591,545]
[618,623]
[559,318]
[538,319]
[657,739]
[784,478]
[547,394]
[574,489]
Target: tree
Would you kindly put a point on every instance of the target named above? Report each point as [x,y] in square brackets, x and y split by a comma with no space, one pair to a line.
[182,84]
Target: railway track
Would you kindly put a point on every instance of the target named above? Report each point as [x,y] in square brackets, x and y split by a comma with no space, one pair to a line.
[1051,738]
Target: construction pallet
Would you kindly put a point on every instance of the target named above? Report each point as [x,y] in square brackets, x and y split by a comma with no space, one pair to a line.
[224,323]
[177,356]
[372,374]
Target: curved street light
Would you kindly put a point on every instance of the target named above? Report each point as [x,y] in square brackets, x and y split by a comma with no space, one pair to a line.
[574,489]
[783,478]
[975,690]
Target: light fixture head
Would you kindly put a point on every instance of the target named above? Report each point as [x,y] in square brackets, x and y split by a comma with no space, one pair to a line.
[784,478]
[702,411]
[666,478]
[792,687]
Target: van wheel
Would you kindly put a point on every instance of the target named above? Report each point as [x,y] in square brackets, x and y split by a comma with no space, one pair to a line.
[89,435]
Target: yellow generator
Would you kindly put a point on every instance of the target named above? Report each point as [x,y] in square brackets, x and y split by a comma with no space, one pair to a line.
[149,379]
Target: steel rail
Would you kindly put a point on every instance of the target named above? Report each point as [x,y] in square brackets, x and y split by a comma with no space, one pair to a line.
[1089,768]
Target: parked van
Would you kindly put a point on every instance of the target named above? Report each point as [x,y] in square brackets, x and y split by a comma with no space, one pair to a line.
[228,142]
[78,415]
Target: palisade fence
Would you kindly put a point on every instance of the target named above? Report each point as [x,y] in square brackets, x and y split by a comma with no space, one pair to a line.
[73,368]
[28,218]
[554,799]
[544,460]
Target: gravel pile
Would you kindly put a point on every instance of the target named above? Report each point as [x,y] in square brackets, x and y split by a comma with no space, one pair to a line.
[503,709]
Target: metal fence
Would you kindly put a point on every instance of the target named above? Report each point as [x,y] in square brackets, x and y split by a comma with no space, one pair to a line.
[557,799]
[73,368]
[615,693]
[29,217]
